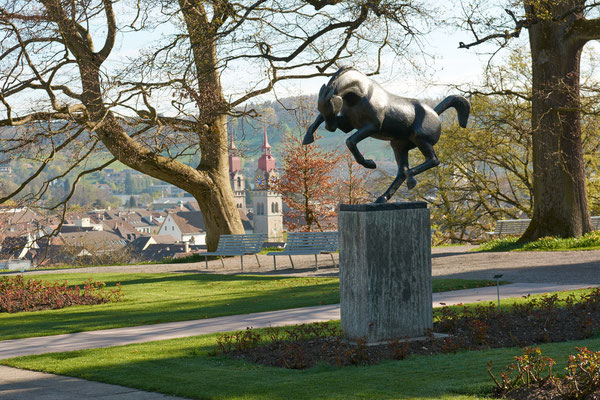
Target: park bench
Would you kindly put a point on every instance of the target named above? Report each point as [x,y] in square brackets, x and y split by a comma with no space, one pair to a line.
[238,245]
[510,227]
[518,226]
[303,243]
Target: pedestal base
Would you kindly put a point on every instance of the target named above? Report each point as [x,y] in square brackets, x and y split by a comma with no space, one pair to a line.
[385,271]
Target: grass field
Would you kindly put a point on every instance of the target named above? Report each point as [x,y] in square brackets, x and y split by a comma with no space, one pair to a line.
[156,298]
[589,241]
[188,367]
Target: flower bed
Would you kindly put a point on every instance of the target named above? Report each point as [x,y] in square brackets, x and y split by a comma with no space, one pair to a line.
[18,294]
[537,320]
[531,377]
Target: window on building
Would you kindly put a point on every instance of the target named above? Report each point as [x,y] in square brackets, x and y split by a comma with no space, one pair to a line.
[239,182]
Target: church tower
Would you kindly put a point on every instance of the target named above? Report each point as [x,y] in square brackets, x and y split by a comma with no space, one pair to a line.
[267,203]
[236,177]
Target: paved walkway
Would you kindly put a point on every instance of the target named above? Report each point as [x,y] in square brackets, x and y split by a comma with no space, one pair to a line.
[17,384]
[171,330]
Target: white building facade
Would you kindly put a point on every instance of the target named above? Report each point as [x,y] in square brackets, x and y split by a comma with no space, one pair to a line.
[180,227]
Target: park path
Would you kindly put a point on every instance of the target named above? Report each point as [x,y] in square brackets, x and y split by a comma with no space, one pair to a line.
[18,384]
[447,262]
[172,330]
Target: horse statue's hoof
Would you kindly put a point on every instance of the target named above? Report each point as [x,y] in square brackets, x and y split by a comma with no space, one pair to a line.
[369,164]
[380,200]
[308,139]
[411,182]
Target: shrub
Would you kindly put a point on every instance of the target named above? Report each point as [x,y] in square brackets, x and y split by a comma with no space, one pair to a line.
[532,368]
[583,375]
[18,294]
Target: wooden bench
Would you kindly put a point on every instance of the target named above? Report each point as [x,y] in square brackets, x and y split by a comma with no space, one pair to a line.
[518,226]
[510,227]
[238,245]
[302,243]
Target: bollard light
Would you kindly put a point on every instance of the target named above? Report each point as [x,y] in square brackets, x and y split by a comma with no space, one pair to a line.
[497,278]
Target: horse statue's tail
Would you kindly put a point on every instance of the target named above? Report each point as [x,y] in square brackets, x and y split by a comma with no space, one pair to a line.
[462,106]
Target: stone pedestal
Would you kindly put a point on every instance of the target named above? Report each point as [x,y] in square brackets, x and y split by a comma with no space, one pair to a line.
[385,271]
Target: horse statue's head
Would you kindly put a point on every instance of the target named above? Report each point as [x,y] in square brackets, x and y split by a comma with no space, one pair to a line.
[329,105]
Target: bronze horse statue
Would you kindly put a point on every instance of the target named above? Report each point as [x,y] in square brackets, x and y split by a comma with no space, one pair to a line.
[351,100]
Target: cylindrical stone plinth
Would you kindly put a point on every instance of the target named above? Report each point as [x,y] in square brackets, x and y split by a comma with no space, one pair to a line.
[385,271]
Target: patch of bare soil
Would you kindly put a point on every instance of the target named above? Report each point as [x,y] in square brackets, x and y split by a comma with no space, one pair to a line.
[549,391]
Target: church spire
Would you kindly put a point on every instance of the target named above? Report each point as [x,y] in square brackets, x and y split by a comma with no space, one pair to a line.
[266,162]
[235,164]
[232,145]
[266,146]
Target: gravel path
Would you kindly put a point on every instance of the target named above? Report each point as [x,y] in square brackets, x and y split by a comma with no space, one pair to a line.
[522,266]
[448,262]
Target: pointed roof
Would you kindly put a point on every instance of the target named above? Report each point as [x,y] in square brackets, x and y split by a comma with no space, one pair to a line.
[266,162]
[266,144]
[235,164]
[232,144]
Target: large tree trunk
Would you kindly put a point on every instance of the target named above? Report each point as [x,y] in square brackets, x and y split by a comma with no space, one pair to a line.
[560,201]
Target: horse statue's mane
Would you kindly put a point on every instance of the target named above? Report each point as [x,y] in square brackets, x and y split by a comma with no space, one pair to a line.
[339,73]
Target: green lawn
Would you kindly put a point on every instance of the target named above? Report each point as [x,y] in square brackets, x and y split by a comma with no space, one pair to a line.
[187,367]
[589,241]
[155,298]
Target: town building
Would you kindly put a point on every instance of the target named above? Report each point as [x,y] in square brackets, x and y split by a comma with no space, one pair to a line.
[185,226]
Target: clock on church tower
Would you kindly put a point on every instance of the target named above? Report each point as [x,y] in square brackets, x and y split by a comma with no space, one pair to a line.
[260,182]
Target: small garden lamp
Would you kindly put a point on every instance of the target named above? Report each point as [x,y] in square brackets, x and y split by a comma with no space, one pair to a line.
[497,278]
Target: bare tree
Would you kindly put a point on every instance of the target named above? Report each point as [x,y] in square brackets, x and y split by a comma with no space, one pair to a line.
[558,31]
[58,83]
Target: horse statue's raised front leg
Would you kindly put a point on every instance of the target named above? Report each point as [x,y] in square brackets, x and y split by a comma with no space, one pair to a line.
[309,137]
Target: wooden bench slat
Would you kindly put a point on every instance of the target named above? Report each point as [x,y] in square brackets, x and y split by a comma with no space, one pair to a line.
[519,226]
[304,243]
[238,245]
